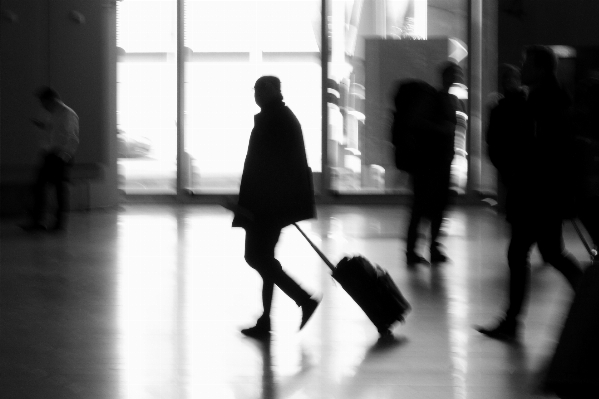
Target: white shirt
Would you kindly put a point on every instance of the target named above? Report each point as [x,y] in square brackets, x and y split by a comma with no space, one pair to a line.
[63,129]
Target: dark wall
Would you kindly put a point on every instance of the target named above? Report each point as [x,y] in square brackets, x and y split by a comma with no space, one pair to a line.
[24,43]
[69,45]
[550,22]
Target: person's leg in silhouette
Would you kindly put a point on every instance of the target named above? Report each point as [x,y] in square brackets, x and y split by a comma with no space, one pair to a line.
[552,249]
[44,177]
[260,243]
[522,239]
[546,231]
[60,182]
[439,199]
[417,212]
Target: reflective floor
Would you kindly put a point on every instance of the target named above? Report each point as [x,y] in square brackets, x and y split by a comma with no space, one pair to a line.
[147,302]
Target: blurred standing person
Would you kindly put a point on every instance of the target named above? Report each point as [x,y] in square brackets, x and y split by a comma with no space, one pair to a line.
[539,192]
[62,128]
[276,191]
[431,174]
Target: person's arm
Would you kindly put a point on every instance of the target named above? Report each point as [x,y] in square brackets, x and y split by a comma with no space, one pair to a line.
[41,121]
[39,124]
[71,131]
[73,135]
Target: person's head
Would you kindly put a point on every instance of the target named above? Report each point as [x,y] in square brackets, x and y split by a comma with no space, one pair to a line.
[539,65]
[48,97]
[510,78]
[451,73]
[266,90]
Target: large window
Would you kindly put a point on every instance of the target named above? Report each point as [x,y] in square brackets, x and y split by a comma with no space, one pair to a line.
[374,44]
[147,95]
[230,44]
[226,45]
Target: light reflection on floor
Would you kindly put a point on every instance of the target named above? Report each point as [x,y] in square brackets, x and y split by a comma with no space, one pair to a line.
[151,299]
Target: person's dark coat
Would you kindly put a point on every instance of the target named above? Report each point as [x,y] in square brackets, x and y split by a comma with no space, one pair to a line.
[510,146]
[276,186]
[415,103]
[435,149]
[553,178]
[423,130]
[510,136]
[423,133]
[538,166]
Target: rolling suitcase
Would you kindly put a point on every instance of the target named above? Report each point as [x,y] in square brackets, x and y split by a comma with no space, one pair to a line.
[371,287]
[574,367]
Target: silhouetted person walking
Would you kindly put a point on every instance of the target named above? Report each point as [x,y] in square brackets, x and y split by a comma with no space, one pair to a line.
[537,194]
[276,191]
[62,128]
[432,168]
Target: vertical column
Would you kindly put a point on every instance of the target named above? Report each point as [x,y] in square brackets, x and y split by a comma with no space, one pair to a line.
[182,159]
[489,85]
[475,103]
[325,181]
[109,98]
[380,23]
[421,18]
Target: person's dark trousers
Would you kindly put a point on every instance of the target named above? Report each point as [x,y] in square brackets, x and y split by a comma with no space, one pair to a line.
[439,194]
[417,211]
[53,171]
[260,243]
[430,200]
[546,231]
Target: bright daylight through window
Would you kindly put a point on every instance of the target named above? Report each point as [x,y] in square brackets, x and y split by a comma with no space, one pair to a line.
[226,45]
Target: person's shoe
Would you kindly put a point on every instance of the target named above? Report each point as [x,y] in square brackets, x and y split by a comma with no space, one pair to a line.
[505,330]
[33,227]
[437,256]
[257,332]
[413,258]
[307,310]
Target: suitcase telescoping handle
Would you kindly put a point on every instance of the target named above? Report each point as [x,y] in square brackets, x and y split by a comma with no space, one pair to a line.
[318,251]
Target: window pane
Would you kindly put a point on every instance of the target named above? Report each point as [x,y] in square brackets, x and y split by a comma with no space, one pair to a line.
[373,45]
[147,95]
[229,44]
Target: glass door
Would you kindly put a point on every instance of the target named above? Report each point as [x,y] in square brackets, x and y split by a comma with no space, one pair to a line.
[228,45]
[147,96]
[375,43]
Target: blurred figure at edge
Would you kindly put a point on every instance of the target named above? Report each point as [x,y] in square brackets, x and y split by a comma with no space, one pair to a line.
[539,193]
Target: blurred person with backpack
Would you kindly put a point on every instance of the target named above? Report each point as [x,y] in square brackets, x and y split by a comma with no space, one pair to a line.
[423,133]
